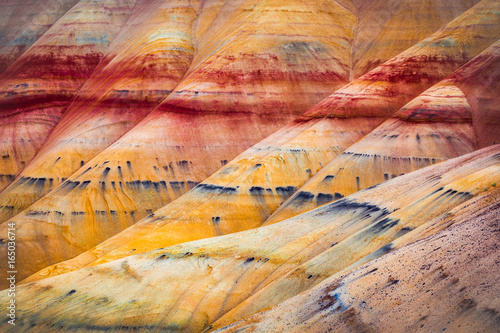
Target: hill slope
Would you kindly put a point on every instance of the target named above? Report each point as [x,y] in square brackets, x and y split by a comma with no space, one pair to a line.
[247,165]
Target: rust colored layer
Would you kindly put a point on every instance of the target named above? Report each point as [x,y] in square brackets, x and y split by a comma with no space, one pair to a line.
[38,87]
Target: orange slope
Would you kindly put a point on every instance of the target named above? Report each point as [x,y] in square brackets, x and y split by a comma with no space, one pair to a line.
[234,94]
[244,193]
[23,22]
[37,88]
[143,65]
[436,126]
[220,280]
[386,28]
[75,149]
[405,292]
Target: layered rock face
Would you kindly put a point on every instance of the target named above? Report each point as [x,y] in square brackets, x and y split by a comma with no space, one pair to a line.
[143,65]
[443,296]
[246,192]
[439,124]
[237,275]
[243,165]
[23,22]
[39,86]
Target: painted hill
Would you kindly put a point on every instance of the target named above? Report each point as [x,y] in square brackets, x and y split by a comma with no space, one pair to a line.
[237,275]
[375,297]
[243,165]
[244,193]
[140,69]
[23,22]
[38,87]
[437,125]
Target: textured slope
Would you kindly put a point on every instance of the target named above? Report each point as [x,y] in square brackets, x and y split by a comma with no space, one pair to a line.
[143,65]
[99,104]
[435,126]
[37,88]
[376,209]
[243,194]
[483,98]
[386,28]
[404,292]
[367,237]
[234,276]
[219,109]
[23,22]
